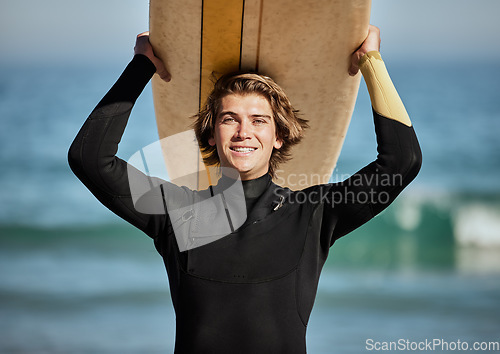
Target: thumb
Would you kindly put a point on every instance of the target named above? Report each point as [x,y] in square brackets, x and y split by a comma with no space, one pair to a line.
[161,70]
[164,74]
[355,58]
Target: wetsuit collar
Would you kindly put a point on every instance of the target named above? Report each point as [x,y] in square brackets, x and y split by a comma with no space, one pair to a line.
[270,200]
[255,187]
[262,196]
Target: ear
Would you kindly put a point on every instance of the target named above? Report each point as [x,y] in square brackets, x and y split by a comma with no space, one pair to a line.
[278,143]
[211,141]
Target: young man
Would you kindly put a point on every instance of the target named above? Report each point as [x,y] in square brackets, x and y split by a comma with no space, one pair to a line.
[251,291]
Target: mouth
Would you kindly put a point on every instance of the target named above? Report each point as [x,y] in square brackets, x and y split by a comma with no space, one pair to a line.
[242,149]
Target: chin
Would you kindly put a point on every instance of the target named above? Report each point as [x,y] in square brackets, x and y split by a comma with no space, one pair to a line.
[243,172]
[241,168]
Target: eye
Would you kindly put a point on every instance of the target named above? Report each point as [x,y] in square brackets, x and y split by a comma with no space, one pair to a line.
[227,119]
[259,121]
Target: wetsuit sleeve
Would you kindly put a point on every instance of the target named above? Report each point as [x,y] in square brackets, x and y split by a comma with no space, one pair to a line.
[383,95]
[92,155]
[369,191]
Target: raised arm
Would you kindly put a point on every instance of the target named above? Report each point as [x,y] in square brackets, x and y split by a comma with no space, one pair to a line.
[369,191]
[92,155]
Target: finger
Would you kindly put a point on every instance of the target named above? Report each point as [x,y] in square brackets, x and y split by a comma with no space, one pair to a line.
[143,34]
[142,38]
[142,43]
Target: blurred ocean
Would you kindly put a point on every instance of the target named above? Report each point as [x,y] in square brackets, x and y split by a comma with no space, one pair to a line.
[76,279]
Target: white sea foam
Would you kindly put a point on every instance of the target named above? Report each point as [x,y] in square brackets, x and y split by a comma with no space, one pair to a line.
[477,224]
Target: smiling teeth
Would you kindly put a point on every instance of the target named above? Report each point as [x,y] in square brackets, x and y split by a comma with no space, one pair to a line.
[238,149]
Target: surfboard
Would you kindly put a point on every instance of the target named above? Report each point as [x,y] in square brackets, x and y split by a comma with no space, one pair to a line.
[304,45]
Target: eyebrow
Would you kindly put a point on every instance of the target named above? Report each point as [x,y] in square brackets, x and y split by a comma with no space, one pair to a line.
[231,113]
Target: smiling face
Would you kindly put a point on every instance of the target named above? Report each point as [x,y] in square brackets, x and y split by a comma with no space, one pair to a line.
[245,134]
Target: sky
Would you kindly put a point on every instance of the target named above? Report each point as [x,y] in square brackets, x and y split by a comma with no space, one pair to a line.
[83,31]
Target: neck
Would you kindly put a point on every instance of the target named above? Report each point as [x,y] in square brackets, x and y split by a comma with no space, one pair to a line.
[234,174]
[245,177]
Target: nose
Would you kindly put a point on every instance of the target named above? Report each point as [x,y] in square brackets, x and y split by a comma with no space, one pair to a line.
[244,130]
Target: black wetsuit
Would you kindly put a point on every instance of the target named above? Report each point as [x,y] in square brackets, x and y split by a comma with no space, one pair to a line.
[251,291]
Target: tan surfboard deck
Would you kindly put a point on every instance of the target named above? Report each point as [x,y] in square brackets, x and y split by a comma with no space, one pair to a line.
[304,45]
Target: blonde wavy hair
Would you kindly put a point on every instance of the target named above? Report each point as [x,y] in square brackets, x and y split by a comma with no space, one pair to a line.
[289,126]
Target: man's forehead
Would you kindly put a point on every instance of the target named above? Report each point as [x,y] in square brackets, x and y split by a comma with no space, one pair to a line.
[250,101]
